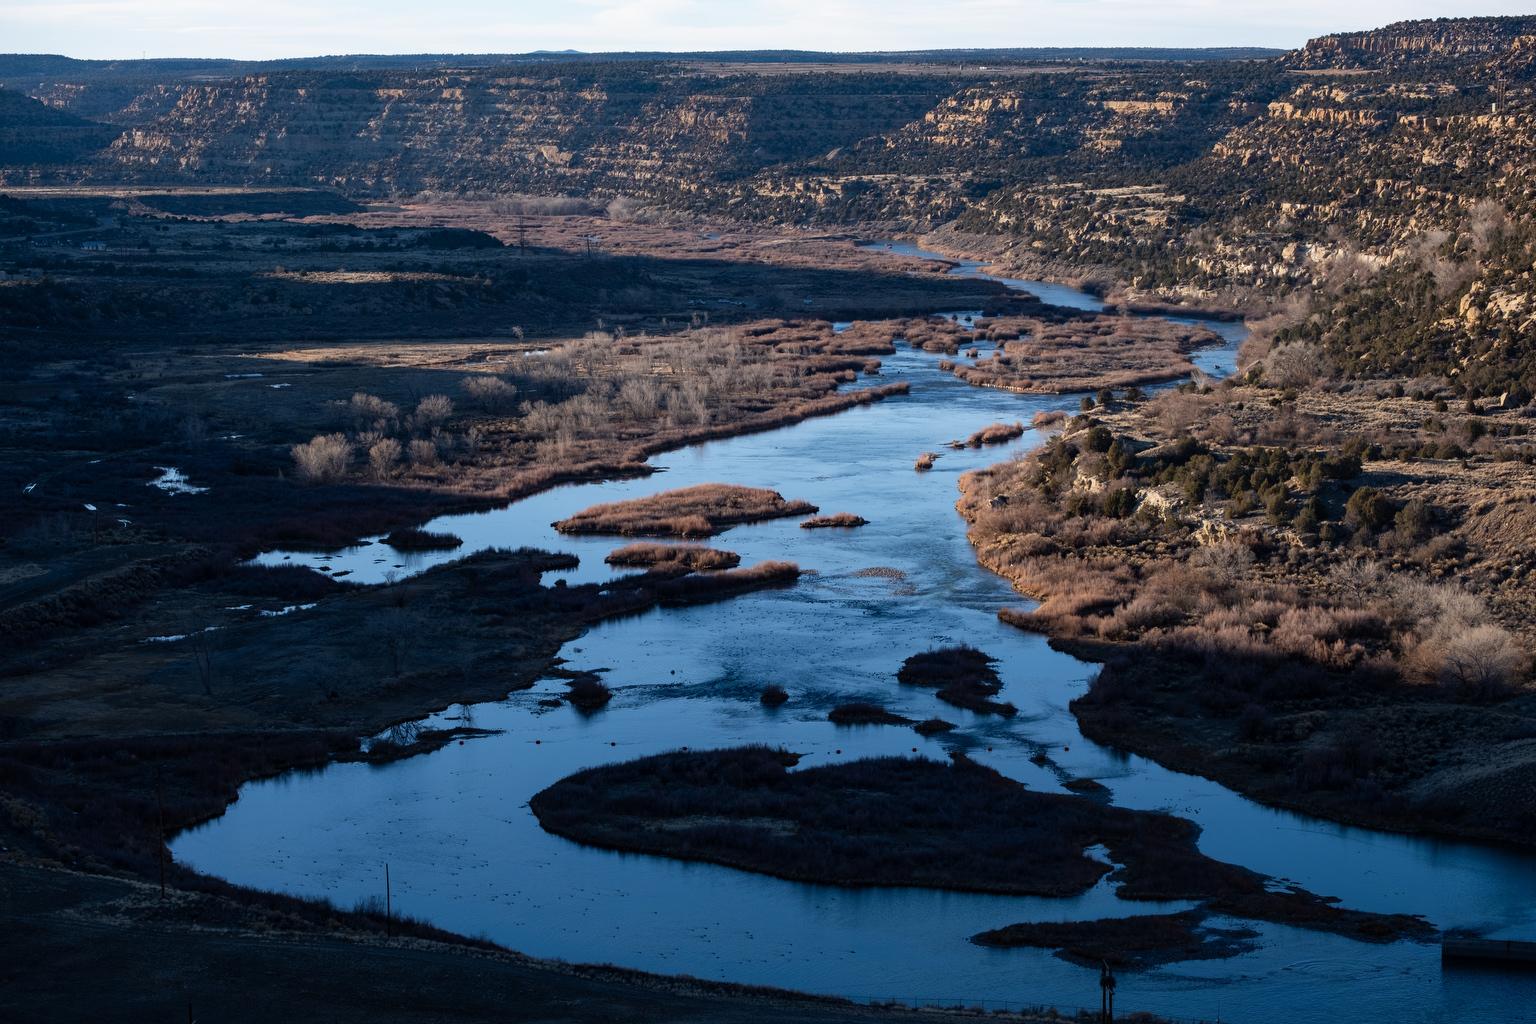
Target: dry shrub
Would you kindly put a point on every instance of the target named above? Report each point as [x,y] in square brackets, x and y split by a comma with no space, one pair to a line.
[367,410]
[432,411]
[1316,634]
[697,511]
[836,519]
[997,433]
[1163,602]
[1226,563]
[1485,660]
[383,457]
[1047,418]
[322,459]
[423,453]
[688,556]
[490,393]
[1295,364]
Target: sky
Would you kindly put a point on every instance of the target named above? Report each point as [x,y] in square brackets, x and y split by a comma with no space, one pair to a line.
[264,29]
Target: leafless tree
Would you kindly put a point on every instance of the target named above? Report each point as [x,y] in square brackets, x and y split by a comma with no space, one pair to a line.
[322,459]
[383,456]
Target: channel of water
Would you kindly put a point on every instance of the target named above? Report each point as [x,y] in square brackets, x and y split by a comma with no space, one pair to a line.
[466,853]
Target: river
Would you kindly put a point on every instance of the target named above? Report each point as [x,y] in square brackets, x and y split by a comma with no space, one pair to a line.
[465,852]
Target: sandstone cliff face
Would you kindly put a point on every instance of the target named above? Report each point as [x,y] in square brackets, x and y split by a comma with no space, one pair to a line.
[1210,180]
[1415,42]
[633,129]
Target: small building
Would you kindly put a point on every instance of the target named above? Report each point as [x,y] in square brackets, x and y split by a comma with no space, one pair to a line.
[93,246]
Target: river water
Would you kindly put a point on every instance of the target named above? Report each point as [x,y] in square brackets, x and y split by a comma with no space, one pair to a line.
[465,852]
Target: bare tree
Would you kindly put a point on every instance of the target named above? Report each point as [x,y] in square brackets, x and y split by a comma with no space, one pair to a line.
[383,456]
[432,411]
[1484,660]
[322,459]
[1294,364]
[423,453]
[491,393]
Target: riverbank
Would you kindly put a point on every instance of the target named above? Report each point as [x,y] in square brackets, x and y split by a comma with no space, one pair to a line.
[1250,628]
[216,957]
[695,679]
[1005,257]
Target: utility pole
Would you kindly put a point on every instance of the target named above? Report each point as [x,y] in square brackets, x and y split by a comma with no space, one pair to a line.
[389,912]
[522,235]
[1106,994]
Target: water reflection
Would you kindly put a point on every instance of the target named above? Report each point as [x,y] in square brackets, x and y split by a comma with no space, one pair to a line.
[466,853]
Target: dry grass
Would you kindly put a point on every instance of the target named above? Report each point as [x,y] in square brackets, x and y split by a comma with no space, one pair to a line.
[699,511]
[1086,354]
[691,557]
[837,519]
[411,539]
[716,586]
[997,433]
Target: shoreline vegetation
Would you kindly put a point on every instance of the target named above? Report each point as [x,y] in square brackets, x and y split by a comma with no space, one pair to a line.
[997,433]
[1294,592]
[413,539]
[961,676]
[692,557]
[837,520]
[1035,357]
[690,512]
[957,826]
[1127,943]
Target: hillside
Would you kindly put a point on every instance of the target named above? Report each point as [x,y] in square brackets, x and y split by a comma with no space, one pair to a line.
[1363,163]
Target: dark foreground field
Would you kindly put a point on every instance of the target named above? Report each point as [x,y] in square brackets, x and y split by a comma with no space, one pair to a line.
[147,961]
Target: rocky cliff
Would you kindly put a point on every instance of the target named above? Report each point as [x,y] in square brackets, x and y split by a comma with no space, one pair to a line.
[1210,181]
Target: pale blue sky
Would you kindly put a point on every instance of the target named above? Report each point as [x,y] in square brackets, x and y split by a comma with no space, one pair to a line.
[289,28]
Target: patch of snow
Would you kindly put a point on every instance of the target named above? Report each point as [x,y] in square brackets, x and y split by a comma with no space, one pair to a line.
[174,481]
[243,376]
[29,488]
[89,507]
[288,609]
[279,385]
[171,638]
